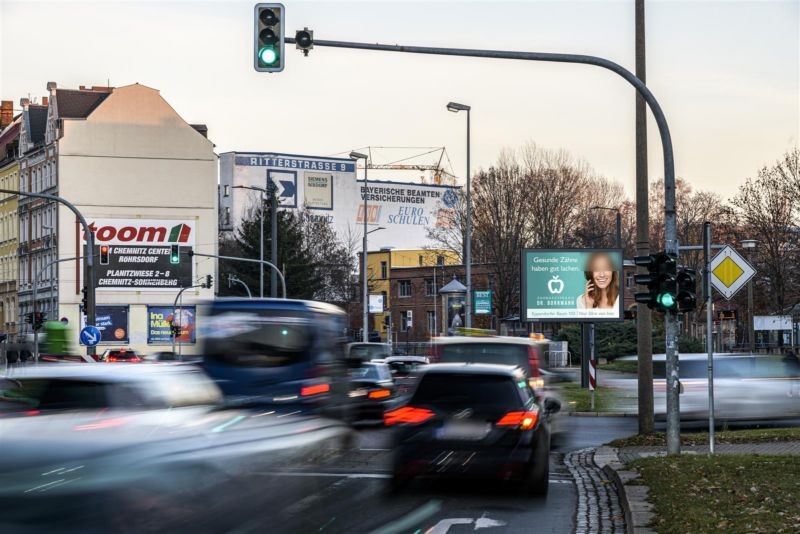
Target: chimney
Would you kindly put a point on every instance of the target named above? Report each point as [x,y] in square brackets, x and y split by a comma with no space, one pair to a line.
[6,113]
[44,101]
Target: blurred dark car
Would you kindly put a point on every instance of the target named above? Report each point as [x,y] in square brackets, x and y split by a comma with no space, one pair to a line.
[475,421]
[147,448]
[372,391]
[405,371]
[171,357]
[282,353]
[521,352]
[121,356]
[359,352]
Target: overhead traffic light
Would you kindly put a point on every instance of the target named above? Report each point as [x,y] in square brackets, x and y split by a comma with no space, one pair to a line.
[268,38]
[175,254]
[103,254]
[209,281]
[687,288]
[304,40]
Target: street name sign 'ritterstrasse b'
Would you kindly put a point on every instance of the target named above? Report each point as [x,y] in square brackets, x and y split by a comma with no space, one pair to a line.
[730,272]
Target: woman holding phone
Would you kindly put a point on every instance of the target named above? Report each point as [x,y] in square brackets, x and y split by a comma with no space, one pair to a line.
[602,283]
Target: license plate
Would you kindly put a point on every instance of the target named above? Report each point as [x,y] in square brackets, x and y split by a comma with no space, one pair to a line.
[463,431]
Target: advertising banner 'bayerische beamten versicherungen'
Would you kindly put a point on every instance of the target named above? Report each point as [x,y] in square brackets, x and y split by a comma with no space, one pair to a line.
[575,285]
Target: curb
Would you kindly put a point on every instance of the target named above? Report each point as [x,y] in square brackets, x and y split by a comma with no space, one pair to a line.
[601,414]
[633,498]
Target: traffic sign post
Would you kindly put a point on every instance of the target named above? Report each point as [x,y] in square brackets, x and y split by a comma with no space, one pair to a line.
[729,272]
[90,336]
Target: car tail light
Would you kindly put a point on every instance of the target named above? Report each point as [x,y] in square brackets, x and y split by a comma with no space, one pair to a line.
[379,394]
[521,420]
[407,415]
[314,390]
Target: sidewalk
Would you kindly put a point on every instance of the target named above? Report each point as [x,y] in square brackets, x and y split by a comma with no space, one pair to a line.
[628,454]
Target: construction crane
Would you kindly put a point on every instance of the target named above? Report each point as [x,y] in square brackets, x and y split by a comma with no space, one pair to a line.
[439,174]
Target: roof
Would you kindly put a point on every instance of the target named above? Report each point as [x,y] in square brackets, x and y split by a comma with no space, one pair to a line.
[474,368]
[75,104]
[37,125]
[415,359]
[453,286]
[498,340]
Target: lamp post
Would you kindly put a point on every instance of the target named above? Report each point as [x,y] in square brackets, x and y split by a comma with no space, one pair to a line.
[365,318]
[619,222]
[455,108]
[261,241]
[749,245]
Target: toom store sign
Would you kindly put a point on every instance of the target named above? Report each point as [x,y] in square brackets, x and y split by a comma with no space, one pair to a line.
[142,232]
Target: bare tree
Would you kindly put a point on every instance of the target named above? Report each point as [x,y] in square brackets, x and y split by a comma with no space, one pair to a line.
[766,207]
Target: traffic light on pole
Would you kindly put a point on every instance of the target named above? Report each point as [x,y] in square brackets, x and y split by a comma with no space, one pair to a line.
[667,282]
[103,254]
[175,254]
[649,280]
[268,38]
[687,288]
[38,320]
[85,298]
[209,281]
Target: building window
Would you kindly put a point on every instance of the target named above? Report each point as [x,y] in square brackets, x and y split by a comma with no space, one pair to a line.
[629,279]
[431,317]
[430,288]
[404,288]
[385,300]
[420,260]
[384,270]
[406,320]
[440,260]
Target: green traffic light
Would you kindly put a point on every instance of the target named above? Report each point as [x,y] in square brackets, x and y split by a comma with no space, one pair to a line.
[666,300]
[268,55]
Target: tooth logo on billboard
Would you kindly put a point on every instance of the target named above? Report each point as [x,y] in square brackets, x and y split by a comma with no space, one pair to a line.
[555,286]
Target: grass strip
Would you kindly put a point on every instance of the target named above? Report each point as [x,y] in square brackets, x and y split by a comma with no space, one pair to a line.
[578,399]
[750,435]
[727,493]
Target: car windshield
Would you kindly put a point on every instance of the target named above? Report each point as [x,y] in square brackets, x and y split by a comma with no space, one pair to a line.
[447,391]
[368,352]
[371,372]
[52,394]
[259,338]
[499,353]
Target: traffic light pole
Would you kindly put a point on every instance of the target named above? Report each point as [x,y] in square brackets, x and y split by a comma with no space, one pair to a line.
[35,284]
[89,282]
[709,331]
[670,220]
[279,274]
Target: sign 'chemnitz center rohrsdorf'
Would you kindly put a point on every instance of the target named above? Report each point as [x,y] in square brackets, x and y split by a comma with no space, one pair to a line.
[327,188]
[139,253]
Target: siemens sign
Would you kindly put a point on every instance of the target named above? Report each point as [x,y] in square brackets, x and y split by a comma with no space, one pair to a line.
[327,188]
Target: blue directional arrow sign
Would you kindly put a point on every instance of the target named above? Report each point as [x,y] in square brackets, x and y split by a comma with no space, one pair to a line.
[90,336]
[289,189]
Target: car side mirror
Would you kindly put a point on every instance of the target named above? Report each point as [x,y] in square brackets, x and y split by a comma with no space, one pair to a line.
[552,405]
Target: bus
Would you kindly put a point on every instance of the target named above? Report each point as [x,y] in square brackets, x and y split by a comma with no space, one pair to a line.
[285,354]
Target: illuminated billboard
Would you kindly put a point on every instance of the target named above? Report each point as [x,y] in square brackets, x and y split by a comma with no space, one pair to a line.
[571,285]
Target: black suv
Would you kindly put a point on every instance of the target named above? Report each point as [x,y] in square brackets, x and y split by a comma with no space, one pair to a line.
[476,421]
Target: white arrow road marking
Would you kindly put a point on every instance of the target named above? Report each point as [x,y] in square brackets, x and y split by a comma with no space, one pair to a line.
[444,525]
[485,522]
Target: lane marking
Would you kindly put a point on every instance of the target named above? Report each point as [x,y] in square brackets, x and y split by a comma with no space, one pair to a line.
[444,525]
[409,520]
[337,475]
[374,449]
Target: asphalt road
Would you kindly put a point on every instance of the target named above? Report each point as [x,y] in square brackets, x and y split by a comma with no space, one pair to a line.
[349,495]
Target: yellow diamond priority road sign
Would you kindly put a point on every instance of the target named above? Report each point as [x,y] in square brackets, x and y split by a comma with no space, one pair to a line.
[730,272]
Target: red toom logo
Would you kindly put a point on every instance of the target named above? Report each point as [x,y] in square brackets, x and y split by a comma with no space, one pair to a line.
[141,234]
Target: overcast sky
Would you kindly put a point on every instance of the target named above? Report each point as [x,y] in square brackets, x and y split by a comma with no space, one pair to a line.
[725,73]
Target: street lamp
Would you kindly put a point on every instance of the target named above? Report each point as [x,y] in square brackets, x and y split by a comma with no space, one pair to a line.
[365,335]
[749,245]
[619,222]
[455,108]
[261,241]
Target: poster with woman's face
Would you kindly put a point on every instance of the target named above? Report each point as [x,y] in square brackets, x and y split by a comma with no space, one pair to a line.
[572,285]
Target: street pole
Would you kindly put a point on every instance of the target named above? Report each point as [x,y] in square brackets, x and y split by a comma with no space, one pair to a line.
[279,274]
[273,280]
[469,231]
[365,318]
[619,230]
[644,324]
[261,250]
[709,331]
[89,281]
[670,219]
[751,333]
